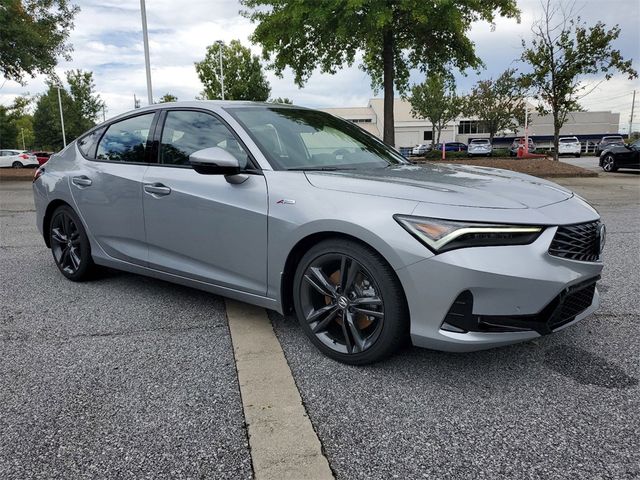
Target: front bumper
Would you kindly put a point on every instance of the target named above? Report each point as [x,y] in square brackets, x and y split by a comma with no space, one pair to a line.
[510,282]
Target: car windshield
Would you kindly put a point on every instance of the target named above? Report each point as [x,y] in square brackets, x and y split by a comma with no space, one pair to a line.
[480,142]
[568,140]
[301,139]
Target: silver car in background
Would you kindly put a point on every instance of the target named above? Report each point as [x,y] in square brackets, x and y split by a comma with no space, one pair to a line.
[480,146]
[301,212]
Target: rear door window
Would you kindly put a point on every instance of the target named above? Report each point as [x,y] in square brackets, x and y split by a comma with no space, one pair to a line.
[126,141]
[87,144]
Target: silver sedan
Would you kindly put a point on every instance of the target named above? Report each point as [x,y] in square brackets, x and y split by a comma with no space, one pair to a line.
[301,212]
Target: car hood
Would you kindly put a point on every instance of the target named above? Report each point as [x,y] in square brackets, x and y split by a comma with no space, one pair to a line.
[446,184]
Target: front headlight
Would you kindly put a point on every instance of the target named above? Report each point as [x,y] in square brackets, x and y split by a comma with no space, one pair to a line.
[443,235]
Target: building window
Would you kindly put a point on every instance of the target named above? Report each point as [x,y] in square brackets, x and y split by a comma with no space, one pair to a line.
[472,126]
[360,120]
[427,135]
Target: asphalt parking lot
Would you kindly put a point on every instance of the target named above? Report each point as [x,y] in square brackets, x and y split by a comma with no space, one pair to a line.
[129,377]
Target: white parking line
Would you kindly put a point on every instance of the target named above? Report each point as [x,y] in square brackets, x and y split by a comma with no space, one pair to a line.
[282,440]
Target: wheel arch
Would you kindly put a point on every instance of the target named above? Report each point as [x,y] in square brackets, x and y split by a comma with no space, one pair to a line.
[46,221]
[298,251]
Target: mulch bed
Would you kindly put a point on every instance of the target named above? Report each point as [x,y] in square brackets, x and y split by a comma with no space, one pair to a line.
[539,167]
[10,174]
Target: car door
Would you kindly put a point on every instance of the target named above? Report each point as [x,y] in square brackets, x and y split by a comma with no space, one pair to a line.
[203,226]
[107,186]
[629,157]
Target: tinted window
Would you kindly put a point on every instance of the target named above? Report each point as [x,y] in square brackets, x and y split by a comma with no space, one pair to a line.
[86,144]
[126,141]
[186,132]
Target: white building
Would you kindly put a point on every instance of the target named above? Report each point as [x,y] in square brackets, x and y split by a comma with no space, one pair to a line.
[410,131]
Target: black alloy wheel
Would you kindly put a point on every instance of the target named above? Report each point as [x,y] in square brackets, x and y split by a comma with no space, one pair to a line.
[17,164]
[609,163]
[69,244]
[349,302]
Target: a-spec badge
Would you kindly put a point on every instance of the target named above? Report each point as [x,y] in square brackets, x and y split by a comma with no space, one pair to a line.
[286,201]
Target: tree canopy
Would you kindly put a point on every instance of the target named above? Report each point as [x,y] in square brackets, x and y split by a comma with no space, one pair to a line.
[391,36]
[34,34]
[81,107]
[435,100]
[167,98]
[565,51]
[243,76]
[499,104]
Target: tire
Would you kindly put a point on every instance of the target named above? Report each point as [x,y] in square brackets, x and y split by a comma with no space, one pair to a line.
[17,164]
[609,164]
[577,155]
[69,245]
[333,318]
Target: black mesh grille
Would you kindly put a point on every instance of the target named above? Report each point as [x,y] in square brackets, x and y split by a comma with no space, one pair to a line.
[572,305]
[577,242]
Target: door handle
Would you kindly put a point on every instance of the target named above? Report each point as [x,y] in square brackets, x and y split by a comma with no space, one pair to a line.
[157,189]
[82,181]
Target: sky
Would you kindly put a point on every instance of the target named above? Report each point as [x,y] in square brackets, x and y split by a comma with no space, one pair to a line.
[107,39]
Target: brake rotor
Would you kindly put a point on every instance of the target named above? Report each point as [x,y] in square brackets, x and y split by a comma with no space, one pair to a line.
[361,319]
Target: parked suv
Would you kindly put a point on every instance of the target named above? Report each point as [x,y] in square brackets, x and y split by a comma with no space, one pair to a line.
[569,146]
[17,159]
[480,146]
[513,150]
[607,142]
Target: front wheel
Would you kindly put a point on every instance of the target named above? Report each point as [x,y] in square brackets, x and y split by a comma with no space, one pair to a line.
[70,245]
[349,302]
[609,164]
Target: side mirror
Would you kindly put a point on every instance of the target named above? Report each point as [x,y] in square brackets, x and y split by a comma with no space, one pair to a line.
[214,161]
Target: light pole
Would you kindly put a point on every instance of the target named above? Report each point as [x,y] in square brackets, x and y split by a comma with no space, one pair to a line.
[220,47]
[64,137]
[145,39]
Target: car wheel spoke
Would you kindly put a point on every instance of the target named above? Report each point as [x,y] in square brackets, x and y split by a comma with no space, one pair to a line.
[354,269]
[369,313]
[75,259]
[345,332]
[320,282]
[355,332]
[324,323]
[369,301]
[58,236]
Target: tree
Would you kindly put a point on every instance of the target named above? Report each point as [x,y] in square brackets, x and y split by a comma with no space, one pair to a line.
[34,35]
[243,76]
[435,100]
[14,121]
[283,100]
[563,51]
[499,104]
[167,97]
[80,105]
[393,36]
[87,104]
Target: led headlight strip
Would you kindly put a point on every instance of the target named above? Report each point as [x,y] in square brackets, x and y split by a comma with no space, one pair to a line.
[442,235]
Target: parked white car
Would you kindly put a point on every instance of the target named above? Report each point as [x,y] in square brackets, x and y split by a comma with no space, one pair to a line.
[480,146]
[569,146]
[421,149]
[17,159]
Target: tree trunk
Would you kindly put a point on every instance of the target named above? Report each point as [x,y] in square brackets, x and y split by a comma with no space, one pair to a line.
[556,140]
[433,135]
[389,136]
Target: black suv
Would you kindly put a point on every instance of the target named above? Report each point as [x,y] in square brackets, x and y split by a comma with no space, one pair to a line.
[606,142]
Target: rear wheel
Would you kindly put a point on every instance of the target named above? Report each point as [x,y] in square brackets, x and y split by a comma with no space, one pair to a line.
[609,164]
[70,245]
[349,302]
[17,164]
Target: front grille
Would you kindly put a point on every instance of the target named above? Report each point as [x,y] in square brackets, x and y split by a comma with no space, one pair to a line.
[573,304]
[577,242]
